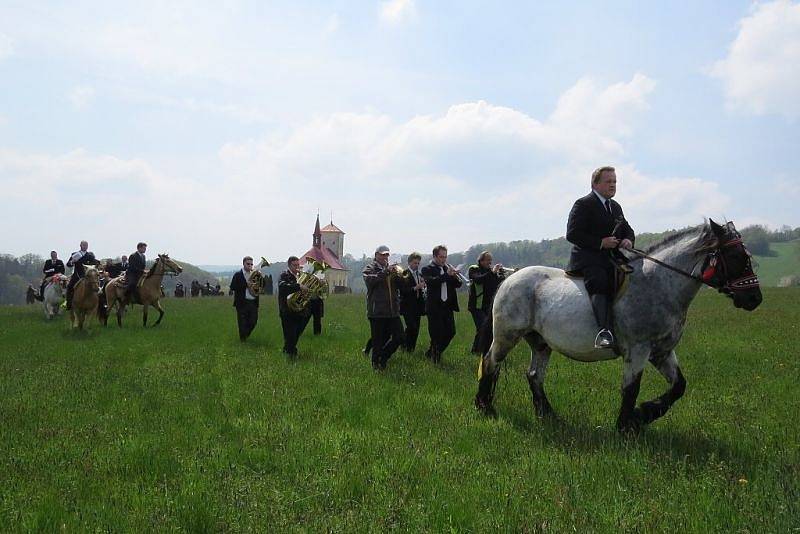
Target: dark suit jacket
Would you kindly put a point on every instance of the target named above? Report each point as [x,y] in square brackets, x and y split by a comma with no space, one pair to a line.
[79,267]
[588,224]
[484,284]
[288,284]
[52,267]
[434,281]
[412,301]
[136,265]
[239,287]
[116,269]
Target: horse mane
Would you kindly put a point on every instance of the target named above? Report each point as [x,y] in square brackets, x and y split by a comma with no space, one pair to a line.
[151,270]
[704,239]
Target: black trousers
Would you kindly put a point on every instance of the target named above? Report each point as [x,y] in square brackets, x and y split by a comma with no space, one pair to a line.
[412,321]
[246,318]
[317,311]
[387,336]
[293,326]
[478,317]
[599,278]
[442,329]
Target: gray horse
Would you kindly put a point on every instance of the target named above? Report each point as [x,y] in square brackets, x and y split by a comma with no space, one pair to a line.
[551,311]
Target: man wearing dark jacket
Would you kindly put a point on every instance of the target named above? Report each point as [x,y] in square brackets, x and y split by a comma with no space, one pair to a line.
[293,323]
[484,281]
[116,269]
[137,262]
[51,267]
[383,307]
[412,300]
[442,282]
[597,229]
[245,302]
[78,260]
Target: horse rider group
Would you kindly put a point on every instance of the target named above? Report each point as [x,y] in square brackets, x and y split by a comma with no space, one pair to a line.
[132,267]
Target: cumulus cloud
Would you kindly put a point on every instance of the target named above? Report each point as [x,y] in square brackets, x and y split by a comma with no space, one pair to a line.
[412,183]
[397,11]
[761,73]
[81,96]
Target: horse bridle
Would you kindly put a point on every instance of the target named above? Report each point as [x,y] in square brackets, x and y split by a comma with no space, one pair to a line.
[714,272]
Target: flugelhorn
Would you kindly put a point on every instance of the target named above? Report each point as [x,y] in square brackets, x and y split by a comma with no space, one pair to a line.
[460,275]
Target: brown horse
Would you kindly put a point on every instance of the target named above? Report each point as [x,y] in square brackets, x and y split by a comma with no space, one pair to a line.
[85,298]
[149,291]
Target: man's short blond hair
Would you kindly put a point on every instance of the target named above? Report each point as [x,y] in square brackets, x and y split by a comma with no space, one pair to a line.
[598,173]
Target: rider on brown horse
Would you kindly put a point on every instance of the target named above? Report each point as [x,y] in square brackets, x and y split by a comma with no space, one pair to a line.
[135,270]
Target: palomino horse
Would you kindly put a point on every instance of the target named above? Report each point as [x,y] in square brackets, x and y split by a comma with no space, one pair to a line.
[54,295]
[85,297]
[552,312]
[149,290]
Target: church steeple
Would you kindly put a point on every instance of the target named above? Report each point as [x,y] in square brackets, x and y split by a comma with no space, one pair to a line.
[317,234]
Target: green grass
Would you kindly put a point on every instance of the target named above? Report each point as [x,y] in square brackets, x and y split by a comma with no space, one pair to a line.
[183,428]
[786,262]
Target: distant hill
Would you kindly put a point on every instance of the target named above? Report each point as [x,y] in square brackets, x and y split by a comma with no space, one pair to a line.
[784,262]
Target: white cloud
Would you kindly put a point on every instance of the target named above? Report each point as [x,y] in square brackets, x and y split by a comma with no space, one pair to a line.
[6,46]
[410,183]
[81,96]
[397,11]
[761,74]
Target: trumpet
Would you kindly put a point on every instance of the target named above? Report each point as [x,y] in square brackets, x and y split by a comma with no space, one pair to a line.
[396,270]
[507,270]
[460,275]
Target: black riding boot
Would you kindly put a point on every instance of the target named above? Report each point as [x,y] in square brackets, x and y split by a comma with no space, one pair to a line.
[40,296]
[601,306]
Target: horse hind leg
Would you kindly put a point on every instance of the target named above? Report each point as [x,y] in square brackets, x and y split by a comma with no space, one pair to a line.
[490,371]
[144,315]
[670,369]
[540,357]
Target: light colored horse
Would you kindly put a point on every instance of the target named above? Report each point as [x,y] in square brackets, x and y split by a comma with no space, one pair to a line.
[53,295]
[85,297]
[552,312]
[149,291]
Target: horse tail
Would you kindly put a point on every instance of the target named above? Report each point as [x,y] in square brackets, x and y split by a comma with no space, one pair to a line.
[486,333]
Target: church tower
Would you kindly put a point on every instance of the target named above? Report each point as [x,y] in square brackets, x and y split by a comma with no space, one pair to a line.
[332,239]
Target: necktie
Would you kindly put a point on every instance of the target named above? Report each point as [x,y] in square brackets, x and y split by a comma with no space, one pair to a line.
[444,287]
[608,207]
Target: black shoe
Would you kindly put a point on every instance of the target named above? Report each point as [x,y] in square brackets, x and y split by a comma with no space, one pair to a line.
[428,353]
[604,339]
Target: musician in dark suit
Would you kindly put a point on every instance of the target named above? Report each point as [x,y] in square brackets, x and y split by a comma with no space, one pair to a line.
[484,281]
[245,302]
[293,323]
[137,262]
[412,300]
[383,307]
[442,281]
[597,230]
[78,260]
[51,267]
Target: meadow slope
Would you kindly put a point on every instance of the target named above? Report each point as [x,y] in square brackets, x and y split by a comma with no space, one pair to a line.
[181,427]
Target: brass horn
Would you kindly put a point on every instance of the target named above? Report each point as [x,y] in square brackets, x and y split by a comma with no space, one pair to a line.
[314,281]
[257,279]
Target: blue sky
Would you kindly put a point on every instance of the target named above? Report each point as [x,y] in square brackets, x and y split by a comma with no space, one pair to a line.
[213,132]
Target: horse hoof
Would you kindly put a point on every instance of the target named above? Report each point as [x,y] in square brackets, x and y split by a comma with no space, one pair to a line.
[485,407]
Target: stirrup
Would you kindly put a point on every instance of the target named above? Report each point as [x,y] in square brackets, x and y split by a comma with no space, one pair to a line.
[604,339]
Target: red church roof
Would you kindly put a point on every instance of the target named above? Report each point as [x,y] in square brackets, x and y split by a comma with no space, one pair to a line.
[323,254]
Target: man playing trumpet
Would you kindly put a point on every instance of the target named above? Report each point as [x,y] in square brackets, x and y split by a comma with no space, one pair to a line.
[442,280]
[412,300]
[383,283]
[484,281]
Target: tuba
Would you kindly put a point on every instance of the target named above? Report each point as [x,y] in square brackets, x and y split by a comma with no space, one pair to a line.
[314,280]
[257,279]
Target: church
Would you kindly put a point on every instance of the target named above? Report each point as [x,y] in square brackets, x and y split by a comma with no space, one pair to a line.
[328,246]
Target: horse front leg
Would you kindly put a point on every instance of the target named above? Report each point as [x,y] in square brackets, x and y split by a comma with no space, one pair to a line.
[629,419]
[144,315]
[670,369]
[157,306]
[540,357]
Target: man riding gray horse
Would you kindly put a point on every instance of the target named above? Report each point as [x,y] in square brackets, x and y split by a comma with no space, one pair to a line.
[597,230]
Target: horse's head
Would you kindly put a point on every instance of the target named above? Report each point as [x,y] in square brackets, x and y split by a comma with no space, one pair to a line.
[729,268]
[92,277]
[170,264]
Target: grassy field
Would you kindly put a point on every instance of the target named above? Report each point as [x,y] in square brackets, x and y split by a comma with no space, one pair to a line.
[183,428]
[786,262]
